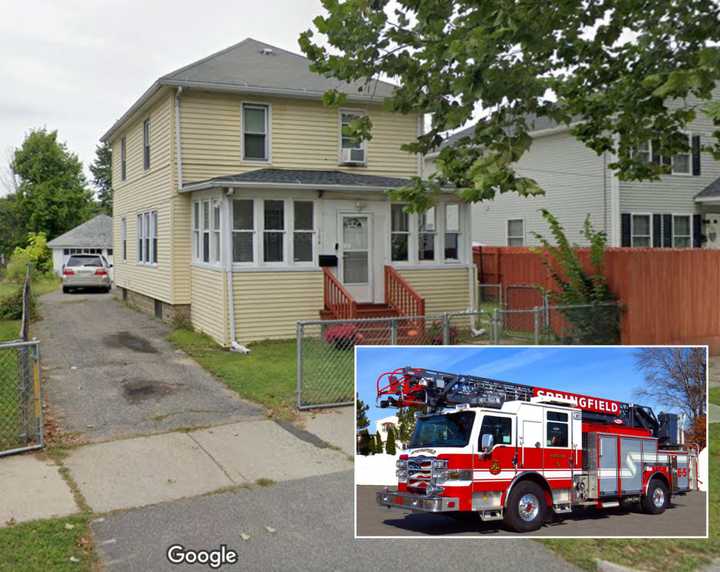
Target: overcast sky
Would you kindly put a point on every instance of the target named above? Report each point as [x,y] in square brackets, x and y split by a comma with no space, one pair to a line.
[77,65]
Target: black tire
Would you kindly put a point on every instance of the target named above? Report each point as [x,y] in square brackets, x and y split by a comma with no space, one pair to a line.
[526,507]
[657,498]
[66,290]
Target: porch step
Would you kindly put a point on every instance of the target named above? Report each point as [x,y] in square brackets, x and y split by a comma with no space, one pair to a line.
[365,310]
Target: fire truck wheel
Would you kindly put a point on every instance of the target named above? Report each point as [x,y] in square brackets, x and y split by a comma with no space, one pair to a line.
[525,507]
[657,498]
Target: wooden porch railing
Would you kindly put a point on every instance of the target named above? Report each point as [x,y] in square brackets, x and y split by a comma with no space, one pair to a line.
[400,296]
[337,299]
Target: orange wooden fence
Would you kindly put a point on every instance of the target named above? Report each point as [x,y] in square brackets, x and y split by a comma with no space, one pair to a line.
[670,295]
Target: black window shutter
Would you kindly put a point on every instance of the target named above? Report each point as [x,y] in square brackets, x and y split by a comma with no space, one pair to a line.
[697,231]
[667,160]
[656,231]
[695,155]
[656,152]
[625,227]
[667,221]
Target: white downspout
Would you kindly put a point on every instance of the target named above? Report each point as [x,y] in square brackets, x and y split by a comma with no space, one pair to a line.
[178,148]
[227,247]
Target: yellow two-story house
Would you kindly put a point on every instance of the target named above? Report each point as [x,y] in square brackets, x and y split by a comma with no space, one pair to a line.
[239,203]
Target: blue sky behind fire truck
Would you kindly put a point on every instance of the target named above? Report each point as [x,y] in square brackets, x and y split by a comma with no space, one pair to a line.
[608,372]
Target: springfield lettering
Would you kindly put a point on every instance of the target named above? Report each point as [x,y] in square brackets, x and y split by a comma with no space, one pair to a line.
[582,401]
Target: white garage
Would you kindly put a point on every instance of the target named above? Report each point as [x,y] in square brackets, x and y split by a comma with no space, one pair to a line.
[92,237]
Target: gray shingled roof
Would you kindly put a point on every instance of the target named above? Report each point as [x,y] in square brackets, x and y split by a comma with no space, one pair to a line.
[252,66]
[534,123]
[95,233]
[712,191]
[301,177]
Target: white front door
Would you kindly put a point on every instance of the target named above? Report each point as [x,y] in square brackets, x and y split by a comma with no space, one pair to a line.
[355,255]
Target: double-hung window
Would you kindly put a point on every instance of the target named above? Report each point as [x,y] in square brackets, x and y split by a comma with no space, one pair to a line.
[123,159]
[216,235]
[147,238]
[641,230]
[123,238]
[643,152]
[255,132]
[516,232]
[352,150]
[243,230]
[452,232]
[140,238]
[196,241]
[399,233]
[426,235]
[682,162]
[273,231]
[682,231]
[303,231]
[146,144]
[205,230]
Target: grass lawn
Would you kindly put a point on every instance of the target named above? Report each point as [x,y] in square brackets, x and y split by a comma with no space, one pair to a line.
[46,545]
[675,555]
[267,375]
[715,395]
[39,286]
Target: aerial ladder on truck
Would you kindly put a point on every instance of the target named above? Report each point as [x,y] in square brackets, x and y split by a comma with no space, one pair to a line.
[516,452]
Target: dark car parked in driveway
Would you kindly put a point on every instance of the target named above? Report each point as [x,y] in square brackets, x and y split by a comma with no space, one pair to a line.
[86,271]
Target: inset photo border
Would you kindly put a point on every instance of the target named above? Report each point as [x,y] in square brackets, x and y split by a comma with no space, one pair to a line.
[531,442]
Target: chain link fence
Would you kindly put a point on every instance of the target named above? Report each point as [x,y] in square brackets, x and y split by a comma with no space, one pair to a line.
[325,348]
[21,423]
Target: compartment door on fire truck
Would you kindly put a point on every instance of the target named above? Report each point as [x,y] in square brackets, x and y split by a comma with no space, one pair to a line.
[608,465]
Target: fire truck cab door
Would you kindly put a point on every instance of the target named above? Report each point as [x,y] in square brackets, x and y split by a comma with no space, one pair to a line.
[499,460]
[530,444]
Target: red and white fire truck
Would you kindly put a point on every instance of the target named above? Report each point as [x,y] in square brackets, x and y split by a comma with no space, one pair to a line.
[514,452]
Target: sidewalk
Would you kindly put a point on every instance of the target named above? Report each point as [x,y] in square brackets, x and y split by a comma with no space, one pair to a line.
[147,470]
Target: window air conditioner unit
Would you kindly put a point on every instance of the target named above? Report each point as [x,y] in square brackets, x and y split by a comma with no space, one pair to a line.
[353,156]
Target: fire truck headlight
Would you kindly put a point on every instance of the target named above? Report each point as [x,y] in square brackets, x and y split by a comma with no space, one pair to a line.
[401,464]
[402,476]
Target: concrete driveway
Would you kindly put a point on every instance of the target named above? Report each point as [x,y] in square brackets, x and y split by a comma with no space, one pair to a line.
[111,373]
[685,517]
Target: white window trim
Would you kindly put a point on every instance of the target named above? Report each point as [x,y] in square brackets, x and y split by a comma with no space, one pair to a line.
[690,226]
[284,232]
[253,232]
[144,238]
[689,154]
[197,227]
[268,131]
[507,231]
[363,143]
[459,234]
[632,230]
[123,239]
[313,233]
[437,258]
[411,239]
[146,144]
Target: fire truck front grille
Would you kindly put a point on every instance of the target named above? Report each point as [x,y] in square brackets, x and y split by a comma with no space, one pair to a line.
[419,474]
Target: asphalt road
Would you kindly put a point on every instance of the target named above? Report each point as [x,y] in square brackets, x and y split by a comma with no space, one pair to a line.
[110,372]
[686,517]
[311,528]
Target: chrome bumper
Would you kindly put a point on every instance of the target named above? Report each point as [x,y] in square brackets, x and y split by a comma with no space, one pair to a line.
[419,503]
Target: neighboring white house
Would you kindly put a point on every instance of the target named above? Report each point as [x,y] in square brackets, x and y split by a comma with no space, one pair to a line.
[92,237]
[383,425]
[680,210]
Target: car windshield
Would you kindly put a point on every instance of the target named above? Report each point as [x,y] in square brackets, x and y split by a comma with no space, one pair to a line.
[452,430]
[84,261]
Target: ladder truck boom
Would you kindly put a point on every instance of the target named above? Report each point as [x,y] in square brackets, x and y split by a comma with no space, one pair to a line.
[434,390]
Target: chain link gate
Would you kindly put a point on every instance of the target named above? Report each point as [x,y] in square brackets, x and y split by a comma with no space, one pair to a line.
[21,422]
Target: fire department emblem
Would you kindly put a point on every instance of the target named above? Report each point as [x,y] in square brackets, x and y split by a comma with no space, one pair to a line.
[494,468]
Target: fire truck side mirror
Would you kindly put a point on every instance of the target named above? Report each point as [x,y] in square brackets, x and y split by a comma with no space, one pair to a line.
[486,442]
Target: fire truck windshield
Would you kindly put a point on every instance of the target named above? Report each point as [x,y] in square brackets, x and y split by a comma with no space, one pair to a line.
[452,430]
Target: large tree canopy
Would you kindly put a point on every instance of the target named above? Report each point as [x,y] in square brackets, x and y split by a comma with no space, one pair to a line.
[101,170]
[608,68]
[52,195]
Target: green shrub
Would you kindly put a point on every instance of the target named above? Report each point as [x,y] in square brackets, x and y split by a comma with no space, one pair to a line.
[11,305]
[17,266]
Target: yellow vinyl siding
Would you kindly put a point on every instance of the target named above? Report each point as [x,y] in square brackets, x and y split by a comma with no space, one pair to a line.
[303,135]
[208,310]
[268,304]
[182,247]
[444,289]
[144,191]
